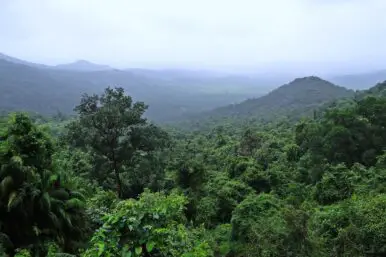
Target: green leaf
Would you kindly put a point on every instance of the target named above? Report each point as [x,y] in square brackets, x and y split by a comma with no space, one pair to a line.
[126,252]
[150,246]
[101,248]
[138,250]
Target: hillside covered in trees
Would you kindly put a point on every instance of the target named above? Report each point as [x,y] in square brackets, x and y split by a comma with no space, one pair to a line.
[299,98]
[110,183]
[169,94]
[172,95]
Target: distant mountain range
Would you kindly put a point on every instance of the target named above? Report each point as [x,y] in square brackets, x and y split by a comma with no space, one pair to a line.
[8,58]
[80,65]
[172,95]
[83,65]
[360,81]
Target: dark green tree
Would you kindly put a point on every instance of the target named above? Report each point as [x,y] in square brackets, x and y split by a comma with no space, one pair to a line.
[112,126]
[36,206]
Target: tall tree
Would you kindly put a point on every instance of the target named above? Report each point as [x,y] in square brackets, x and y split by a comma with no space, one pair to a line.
[112,126]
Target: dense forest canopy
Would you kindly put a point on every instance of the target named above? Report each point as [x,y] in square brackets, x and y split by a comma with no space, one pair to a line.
[108,182]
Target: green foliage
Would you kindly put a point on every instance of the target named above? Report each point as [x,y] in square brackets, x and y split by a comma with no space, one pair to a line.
[291,101]
[352,134]
[220,239]
[151,224]
[100,205]
[353,228]
[222,197]
[258,222]
[22,253]
[314,189]
[336,184]
[31,210]
[111,126]
[264,226]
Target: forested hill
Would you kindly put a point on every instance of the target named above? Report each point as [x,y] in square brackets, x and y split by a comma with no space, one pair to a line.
[170,95]
[24,87]
[293,100]
[299,95]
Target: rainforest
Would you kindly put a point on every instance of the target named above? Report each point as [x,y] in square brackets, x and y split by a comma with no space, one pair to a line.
[108,182]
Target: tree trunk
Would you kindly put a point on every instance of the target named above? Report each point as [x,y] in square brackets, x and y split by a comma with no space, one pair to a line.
[117,177]
[119,183]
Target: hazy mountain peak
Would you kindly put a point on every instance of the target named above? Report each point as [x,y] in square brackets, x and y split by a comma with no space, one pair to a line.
[82,62]
[295,99]
[83,65]
[308,80]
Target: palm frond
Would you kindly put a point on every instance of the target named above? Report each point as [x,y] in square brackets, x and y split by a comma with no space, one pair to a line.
[46,201]
[14,200]
[78,195]
[74,204]
[65,217]
[35,193]
[54,219]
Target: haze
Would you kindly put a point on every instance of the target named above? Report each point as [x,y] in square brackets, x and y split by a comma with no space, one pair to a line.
[310,36]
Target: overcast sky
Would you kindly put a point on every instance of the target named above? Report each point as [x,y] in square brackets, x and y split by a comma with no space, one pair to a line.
[263,34]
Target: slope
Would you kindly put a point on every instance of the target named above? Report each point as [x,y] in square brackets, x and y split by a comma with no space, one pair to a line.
[8,58]
[293,100]
[47,90]
[26,88]
[83,65]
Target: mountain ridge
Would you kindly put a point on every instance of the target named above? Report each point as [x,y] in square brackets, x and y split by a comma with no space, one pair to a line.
[311,84]
[356,81]
[83,65]
[11,59]
[300,97]
[80,65]
[46,90]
